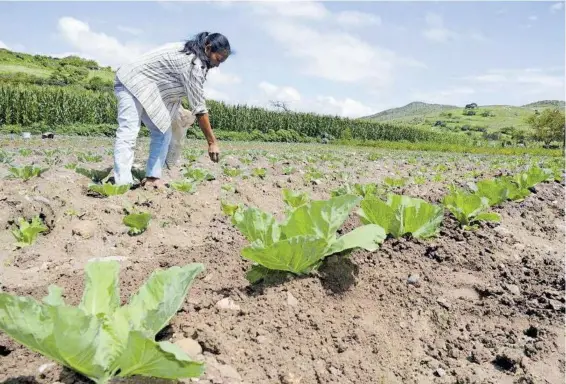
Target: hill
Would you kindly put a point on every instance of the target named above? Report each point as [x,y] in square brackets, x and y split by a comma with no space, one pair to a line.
[416,108]
[24,67]
[488,119]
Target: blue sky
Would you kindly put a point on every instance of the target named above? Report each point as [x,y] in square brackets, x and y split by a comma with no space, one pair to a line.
[345,58]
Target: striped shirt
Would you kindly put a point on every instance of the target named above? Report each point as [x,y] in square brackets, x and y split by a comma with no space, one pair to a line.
[160,78]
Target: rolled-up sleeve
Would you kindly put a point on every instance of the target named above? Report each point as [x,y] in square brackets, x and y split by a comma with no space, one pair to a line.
[194,86]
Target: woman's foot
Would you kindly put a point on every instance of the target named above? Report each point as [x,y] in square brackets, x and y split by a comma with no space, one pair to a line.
[154,182]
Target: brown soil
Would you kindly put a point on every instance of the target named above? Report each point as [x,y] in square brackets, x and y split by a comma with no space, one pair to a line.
[482,306]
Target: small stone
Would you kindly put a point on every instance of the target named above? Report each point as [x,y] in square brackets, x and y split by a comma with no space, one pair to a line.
[335,371]
[228,372]
[190,347]
[227,303]
[84,229]
[519,246]
[443,302]
[513,289]
[262,339]
[42,199]
[481,355]
[555,304]
[440,372]
[413,279]
[45,367]
[291,378]
[291,300]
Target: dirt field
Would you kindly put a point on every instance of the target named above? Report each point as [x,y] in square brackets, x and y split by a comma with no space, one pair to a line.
[484,306]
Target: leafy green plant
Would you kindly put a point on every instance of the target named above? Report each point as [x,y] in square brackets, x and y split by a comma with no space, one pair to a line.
[108,189]
[289,170]
[71,166]
[192,155]
[393,182]
[299,244]
[533,176]
[259,172]
[228,188]
[6,157]
[25,152]
[186,185]
[374,156]
[95,175]
[27,232]
[495,190]
[294,199]
[137,222]
[99,338]
[468,208]
[198,174]
[88,157]
[26,172]
[231,171]
[400,215]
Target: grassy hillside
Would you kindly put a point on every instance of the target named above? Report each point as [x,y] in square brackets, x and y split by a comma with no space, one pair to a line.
[44,67]
[415,109]
[491,119]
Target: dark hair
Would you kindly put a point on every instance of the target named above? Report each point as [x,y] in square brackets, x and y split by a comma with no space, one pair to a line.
[218,43]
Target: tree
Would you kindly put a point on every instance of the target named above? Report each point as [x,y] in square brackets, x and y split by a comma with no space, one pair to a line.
[280,104]
[548,126]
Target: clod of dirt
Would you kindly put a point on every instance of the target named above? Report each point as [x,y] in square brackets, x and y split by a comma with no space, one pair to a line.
[227,303]
[291,300]
[190,347]
[507,360]
[85,229]
[4,351]
[532,331]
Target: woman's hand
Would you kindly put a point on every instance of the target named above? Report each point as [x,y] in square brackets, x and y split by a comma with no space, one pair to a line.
[214,152]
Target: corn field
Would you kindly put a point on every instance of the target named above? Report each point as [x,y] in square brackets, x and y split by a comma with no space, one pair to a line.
[55,106]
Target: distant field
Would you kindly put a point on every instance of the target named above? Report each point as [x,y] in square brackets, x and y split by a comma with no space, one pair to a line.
[44,72]
[499,117]
[11,68]
[105,75]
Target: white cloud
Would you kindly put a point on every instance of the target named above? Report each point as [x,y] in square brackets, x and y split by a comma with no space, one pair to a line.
[284,94]
[105,49]
[130,30]
[217,77]
[549,78]
[436,31]
[357,19]
[337,56]
[346,107]
[533,18]
[3,45]
[327,105]
[557,7]
[450,96]
[523,81]
[292,9]
[214,94]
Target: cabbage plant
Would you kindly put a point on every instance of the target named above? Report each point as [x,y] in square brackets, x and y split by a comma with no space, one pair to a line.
[99,338]
[299,243]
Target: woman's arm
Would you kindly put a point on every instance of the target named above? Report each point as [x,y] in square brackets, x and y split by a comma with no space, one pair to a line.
[195,93]
[204,124]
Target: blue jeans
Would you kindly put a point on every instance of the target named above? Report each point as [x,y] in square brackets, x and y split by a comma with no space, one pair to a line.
[130,116]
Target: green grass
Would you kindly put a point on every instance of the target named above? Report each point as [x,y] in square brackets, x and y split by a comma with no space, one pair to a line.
[104,74]
[501,116]
[29,69]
